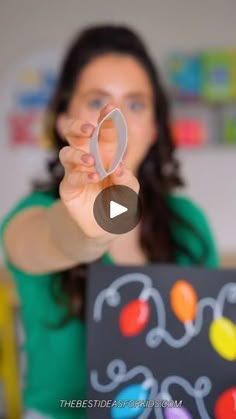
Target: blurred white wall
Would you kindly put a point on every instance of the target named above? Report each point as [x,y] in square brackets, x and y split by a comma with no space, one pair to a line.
[30,25]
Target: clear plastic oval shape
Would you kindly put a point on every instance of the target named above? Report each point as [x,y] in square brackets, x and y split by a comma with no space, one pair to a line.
[121,131]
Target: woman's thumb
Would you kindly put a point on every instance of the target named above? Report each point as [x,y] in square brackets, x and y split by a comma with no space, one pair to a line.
[123,176]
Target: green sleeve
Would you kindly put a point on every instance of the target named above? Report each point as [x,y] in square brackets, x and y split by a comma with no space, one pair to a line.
[32,200]
[194,216]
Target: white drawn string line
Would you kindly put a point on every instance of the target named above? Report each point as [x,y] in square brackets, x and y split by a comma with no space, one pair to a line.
[118,374]
[111,295]
[159,333]
[201,389]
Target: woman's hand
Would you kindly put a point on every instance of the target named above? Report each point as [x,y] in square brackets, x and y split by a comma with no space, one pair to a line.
[81,183]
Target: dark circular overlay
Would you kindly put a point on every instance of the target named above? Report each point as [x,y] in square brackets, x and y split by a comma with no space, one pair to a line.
[120,195]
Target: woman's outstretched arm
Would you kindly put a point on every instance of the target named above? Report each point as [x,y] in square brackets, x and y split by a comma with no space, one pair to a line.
[65,234]
[46,239]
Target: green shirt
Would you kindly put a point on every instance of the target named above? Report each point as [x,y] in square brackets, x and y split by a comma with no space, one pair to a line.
[56,358]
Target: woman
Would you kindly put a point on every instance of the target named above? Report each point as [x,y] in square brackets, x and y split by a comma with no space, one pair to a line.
[51,235]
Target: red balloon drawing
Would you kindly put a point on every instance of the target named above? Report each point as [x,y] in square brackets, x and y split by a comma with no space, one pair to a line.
[225,407]
[134,317]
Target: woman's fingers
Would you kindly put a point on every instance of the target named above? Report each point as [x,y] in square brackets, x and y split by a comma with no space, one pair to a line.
[74,127]
[123,176]
[73,181]
[108,108]
[79,164]
[78,178]
[79,170]
[70,157]
[76,131]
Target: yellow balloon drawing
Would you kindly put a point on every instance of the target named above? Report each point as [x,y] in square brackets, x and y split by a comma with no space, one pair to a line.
[222,336]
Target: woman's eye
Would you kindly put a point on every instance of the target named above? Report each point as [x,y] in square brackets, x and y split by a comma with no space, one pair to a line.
[96,103]
[136,105]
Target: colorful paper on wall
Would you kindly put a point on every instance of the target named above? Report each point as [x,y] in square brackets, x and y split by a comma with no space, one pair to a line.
[185,75]
[219,76]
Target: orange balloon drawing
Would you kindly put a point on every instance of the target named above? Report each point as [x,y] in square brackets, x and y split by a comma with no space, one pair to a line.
[183,300]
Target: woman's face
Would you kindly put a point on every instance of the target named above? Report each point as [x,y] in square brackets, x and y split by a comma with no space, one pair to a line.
[119,80]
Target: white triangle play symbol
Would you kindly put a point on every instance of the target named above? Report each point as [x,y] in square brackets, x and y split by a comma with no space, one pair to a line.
[116,209]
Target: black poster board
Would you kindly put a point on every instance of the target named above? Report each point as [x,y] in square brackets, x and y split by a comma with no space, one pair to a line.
[161,342]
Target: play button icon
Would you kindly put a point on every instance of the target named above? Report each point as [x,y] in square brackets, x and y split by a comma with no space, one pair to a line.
[117,209]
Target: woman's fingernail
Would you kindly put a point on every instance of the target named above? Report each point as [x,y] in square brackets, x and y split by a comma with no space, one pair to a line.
[86,128]
[93,176]
[109,105]
[87,158]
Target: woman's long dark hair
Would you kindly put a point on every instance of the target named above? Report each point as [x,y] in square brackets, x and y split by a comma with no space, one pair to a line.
[158,174]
